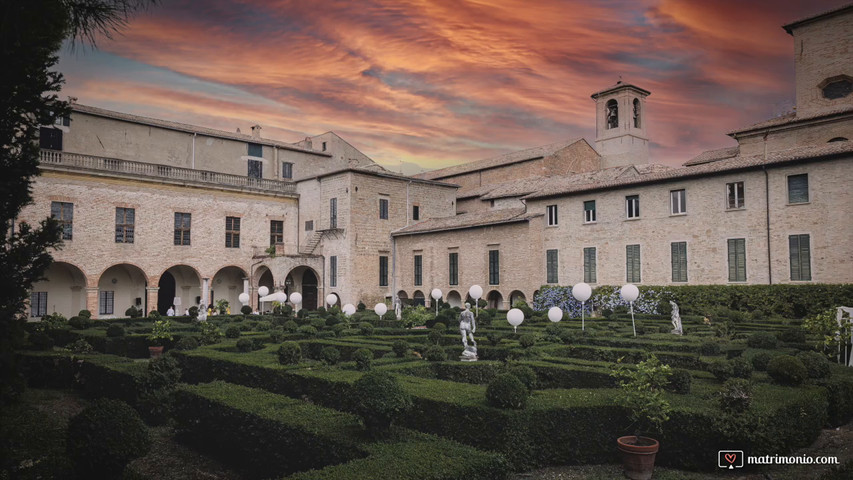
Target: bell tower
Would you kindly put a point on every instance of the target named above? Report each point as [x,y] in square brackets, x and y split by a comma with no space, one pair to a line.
[620,125]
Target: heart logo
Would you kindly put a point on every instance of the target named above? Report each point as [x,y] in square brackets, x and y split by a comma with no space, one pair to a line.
[730,457]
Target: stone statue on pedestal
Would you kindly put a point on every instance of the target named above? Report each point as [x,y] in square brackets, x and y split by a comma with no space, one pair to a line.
[467,326]
[676,320]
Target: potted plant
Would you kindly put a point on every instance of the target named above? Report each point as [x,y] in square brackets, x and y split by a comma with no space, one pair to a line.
[160,334]
[222,306]
[642,395]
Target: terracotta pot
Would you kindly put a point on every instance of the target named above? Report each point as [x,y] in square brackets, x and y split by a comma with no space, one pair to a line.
[155,352]
[638,461]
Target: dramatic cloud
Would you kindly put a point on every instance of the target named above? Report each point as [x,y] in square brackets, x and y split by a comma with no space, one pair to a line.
[436,83]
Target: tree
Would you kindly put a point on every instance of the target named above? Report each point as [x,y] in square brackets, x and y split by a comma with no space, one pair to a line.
[31,34]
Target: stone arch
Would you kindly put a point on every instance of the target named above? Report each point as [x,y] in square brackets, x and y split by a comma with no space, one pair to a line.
[337,300]
[403,298]
[184,287]
[837,139]
[262,278]
[454,299]
[516,295]
[418,298]
[305,280]
[62,291]
[227,284]
[495,299]
[119,287]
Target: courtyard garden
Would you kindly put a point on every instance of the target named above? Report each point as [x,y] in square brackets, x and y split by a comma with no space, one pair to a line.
[325,395]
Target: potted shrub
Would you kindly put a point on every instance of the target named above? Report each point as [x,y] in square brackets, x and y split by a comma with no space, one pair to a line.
[222,306]
[160,334]
[642,395]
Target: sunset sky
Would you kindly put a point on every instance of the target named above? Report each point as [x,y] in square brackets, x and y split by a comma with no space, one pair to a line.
[429,84]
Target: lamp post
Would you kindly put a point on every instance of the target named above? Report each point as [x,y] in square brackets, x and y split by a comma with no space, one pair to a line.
[476,292]
[582,292]
[630,293]
[435,294]
[515,317]
[263,292]
[296,299]
[555,314]
[349,309]
[331,299]
[380,309]
[243,298]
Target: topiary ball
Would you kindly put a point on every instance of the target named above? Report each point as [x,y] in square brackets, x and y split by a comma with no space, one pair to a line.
[244,345]
[763,340]
[379,401]
[85,313]
[736,395]
[506,391]
[289,353]
[366,328]
[525,375]
[787,370]
[680,381]
[760,360]
[741,368]
[434,353]
[363,358]
[435,336]
[330,355]
[400,347]
[79,323]
[307,330]
[186,343]
[318,323]
[441,327]
[232,332]
[722,369]
[290,326]
[246,310]
[816,364]
[527,340]
[104,438]
[115,330]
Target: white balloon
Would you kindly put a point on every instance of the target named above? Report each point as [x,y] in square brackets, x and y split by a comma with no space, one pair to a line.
[581,292]
[475,291]
[296,298]
[436,294]
[349,309]
[630,292]
[380,309]
[263,291]
[244,298]
[280,297]
[331,299]
[555,314]
[515,317]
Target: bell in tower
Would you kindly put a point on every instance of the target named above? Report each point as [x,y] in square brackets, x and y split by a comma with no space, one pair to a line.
[620,129]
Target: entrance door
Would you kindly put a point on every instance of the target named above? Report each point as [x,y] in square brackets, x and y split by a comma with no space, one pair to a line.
[309,290]
[166,294]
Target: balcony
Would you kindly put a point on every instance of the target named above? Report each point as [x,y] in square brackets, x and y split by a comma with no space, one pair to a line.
[56,160]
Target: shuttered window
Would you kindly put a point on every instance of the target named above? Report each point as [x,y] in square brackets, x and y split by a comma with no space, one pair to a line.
[551,266]
[256,169]
[232,232]
[679,261]
[800,252]
[737,259]
[632,263]
[333,271]
[589,269]
[494,267]
[453,268]
[419,269]
[383,271]
[125,222]
[333,213]
[798,188]
[286,170]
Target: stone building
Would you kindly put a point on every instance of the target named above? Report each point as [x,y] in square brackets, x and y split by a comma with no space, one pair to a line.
[157,213]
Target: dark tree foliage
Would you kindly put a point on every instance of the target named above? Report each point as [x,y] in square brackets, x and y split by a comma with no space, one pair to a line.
[31,34]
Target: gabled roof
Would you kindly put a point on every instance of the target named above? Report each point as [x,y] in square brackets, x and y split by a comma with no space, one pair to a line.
[713,156]
[620,86]
[499,161]
[377,170]
[468,220]
[811,18]
[791,118]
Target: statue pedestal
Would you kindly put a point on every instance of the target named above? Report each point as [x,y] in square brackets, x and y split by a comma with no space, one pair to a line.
[469,355]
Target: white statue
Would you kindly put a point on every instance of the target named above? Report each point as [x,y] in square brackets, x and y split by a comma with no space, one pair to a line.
[468,326]
[397,311]
[676,320]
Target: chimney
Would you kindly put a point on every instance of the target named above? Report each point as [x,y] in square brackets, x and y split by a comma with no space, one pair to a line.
[256,131]
[238,130]
[308,143]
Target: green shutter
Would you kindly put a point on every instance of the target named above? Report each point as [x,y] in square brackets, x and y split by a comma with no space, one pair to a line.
[800,257]
[679,261]
[551,266]
[589,273]
[737,259]
[798,188]
[632,259]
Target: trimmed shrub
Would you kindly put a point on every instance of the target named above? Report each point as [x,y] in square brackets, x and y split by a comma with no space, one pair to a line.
[307,330]
[680,381]
[41,340]
[722,369]
[339,328]
[277,335]
[290,326]
[787,370]
[525,375]
[133,312]
[527,340]
[434,353]
[760,361]
[289,353]
[366,328]
[793,335]
[816,364]
[244,345]
[330,355]
[115,330]
[318,323]
[84,313]
[435,336]
[361,306]
[154,315]
[193,312]
[380,401]
[80,346]
[736,395]
[186,343]
[709,348]
[79,323]
[246,309]
[400,347]
[763,340]
[741,368]
[210,334]
[506,391]
[441,327]
[485,318]
[104,438]
[494,338]
[232,332]
[363,358]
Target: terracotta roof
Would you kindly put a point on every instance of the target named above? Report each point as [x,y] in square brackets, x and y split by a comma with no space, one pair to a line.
[791,26]
[524,187]
[468,220]
[378,171]
[731,164]
[185,127]
[712,156]
[791,118]
[617,86]
[509,158]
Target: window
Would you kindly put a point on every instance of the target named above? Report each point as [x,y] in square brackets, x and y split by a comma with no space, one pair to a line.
[333,271]
[105,302]
[632,206]
[636,113]
[324,146]
[737,259]
[232,232]
[256,169]
[453,268]
[494,267]
[286,170]
[679,261]
[678,201]
[416,212]
[276,232]
[50,138]
[383,208]
[125,222]
[734,195]
[838,87]
[589,270]
[256,150]
[589,211]
[800,252]
[183,221]
[798,188]
[552,215]
[309,225]
[632,263]
[333,213]
[551,266]
[419,269]
[612,114]
[64,121]
[64,213]
[383,271]
[38,304]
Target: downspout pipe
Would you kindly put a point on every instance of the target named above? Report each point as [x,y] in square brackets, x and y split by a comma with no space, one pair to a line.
[394,298]
[193,160]
[767,211]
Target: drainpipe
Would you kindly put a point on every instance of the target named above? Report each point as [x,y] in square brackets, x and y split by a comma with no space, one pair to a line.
[394,298]
[407,202]
[767,210]
[193,166]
